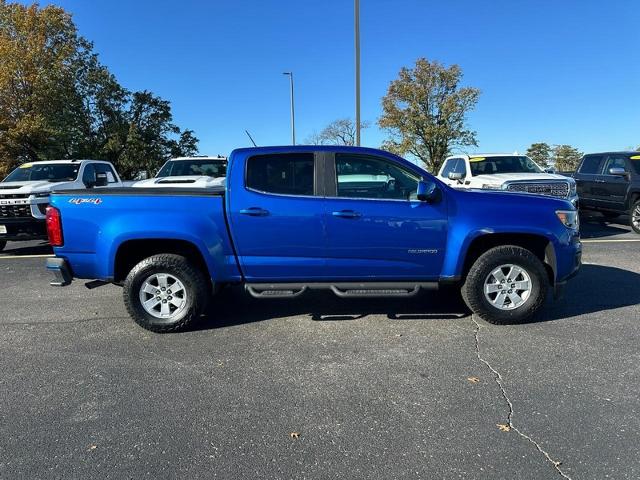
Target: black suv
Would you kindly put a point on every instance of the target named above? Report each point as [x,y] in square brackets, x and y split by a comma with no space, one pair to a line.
[610,183]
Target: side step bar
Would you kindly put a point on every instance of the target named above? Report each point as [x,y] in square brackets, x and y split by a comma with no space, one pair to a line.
[342,289]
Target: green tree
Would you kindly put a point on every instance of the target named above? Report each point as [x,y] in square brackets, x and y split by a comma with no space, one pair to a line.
[339,132]
[566,158]
[58,101]
[541,153]
[424,112]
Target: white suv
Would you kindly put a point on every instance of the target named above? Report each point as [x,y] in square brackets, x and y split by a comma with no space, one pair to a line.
[24,193]
[506,171]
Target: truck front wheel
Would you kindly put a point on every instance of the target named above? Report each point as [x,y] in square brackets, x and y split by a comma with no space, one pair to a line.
[506,284]
[165,293]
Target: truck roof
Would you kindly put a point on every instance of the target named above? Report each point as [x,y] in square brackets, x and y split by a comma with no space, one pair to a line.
[40,162]
[472,155]
[203,157]
[308,148]
[622,152]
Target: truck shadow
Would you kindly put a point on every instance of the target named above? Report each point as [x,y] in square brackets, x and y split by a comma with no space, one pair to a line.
[596,289]
[27,248]
[596,226]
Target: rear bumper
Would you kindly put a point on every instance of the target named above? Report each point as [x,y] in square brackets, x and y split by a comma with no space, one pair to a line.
[61,272]
[19,229]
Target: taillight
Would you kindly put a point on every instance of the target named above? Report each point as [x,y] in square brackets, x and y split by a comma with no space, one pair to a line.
[54,227]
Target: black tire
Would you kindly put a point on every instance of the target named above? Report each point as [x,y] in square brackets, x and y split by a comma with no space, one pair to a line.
[634,213]
[196,286]
[474,284]
[3,244]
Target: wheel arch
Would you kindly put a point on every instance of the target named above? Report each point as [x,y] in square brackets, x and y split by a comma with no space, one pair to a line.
[130,252]
[538,244]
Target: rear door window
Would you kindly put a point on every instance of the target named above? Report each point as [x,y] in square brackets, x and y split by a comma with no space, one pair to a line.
[108,169]
[448,167]
[591,164]
[283,174]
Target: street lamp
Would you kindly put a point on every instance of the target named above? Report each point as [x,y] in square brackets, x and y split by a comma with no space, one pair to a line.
[357,60]
[293,115]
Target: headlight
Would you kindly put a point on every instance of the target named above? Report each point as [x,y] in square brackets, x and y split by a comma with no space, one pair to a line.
[491,186]
[572,189]
[569,218]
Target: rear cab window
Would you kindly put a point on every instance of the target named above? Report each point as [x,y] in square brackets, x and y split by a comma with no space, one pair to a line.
[282,174]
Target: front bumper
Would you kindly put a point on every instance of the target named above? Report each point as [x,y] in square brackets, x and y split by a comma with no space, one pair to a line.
[61,272]
[19,229]
[572,267]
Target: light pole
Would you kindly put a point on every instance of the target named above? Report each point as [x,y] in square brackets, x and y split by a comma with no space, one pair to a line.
[293,114]
[357,59]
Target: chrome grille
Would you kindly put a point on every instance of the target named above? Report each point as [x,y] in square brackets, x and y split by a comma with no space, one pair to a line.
[549,189]
[15,211]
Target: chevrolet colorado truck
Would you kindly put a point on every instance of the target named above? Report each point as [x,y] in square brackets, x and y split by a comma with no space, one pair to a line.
[609,183]
[356,221]
[188,172]
[24,193]
[504,171]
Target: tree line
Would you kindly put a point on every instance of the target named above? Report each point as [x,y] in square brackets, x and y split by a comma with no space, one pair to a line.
[58,101]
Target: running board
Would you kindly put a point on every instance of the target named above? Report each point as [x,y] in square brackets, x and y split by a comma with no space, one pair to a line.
[342,289]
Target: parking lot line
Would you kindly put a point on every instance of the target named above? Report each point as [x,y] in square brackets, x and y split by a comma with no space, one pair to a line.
[612,240]
[13,257]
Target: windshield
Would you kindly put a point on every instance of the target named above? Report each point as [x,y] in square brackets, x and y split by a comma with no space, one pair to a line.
[51,172]
[507,164]
[209,168]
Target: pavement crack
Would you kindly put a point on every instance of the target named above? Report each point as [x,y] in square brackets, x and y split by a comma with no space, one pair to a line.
[499,381]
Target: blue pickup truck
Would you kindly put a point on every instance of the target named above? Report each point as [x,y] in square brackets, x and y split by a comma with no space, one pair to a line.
[357,221]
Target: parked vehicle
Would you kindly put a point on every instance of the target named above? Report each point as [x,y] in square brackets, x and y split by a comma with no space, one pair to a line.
[357,221]
[610,183]
[509,172]
[24,193]
[190,172]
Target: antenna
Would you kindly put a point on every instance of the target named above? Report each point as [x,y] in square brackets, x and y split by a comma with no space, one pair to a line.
[250,138]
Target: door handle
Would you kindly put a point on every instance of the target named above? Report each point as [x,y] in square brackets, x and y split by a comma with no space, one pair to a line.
[347,214]
[255,212]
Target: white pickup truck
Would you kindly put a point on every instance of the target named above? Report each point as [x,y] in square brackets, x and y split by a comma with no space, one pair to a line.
[506,171]
[188,172]
[24,193]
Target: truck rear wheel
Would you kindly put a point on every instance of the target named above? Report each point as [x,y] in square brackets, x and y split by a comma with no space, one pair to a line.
[635,216]
[165,293]
[506,284]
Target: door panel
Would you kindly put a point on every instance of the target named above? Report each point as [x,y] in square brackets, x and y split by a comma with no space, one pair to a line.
[384,234]
[277,219]
[613,191]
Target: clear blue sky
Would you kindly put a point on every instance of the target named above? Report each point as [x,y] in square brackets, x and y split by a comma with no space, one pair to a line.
[560,71]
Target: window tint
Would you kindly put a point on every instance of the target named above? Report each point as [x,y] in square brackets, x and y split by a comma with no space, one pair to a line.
[615,161]
[211,168]
[105,168]
[361,176]
[286,174]
[591,164]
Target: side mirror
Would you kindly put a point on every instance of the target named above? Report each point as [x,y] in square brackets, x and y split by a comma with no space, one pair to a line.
[617,171]
[457,176]
[101,180]
[427,191]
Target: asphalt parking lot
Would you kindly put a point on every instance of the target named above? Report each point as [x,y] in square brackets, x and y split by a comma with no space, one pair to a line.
[319,387]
